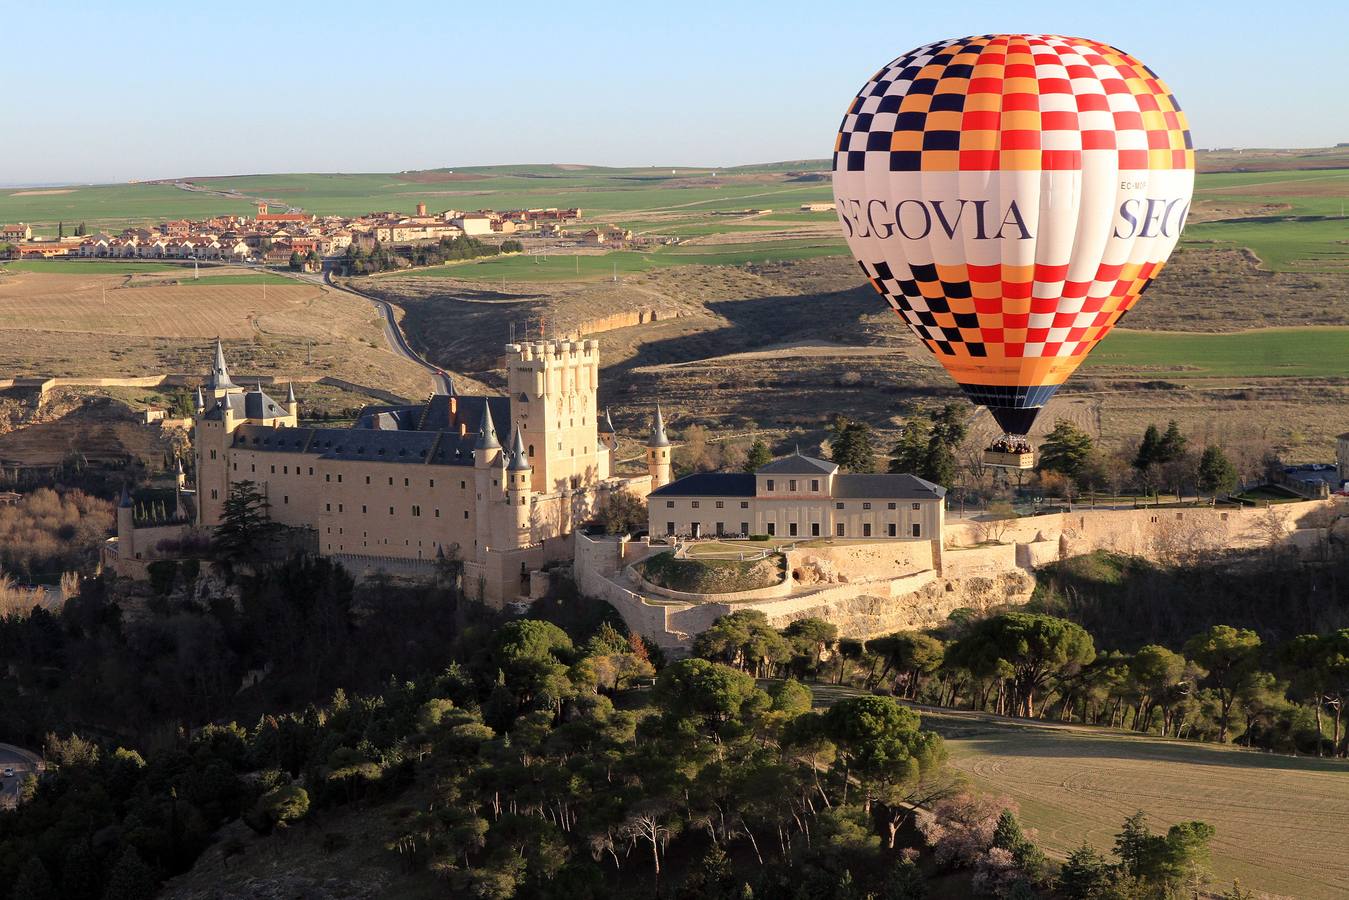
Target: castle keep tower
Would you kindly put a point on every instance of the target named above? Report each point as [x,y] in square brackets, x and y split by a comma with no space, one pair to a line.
[553,387]
[516,525]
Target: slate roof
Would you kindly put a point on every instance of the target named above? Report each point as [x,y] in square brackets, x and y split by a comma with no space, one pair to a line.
[360,445]
[796,464]
[888,487]
[710,484]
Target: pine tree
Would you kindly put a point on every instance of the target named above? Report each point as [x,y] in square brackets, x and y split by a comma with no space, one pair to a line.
[60,230]
[851,446]
[1216,472]
[131,878]
[244,521]
[759,456]
[1066,450]
[1148,449]
[909,455]
[1086,875]
[1172,445]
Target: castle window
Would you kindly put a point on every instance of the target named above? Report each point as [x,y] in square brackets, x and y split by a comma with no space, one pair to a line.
[416,510]
[866,529]
[285,470]
[437,514]
[339,507]
[327,476]
[236,467]
[405,482]
[327,507]
[463,485]
[367,479]
[669,504]
[744,504]
[866,506]
[465,514]
[391,481]
[917,530]
[770,484]
[212,454]
[215,495]
[252,468]
[917,506]
[362,507]
[893,529]
[695,504]
[839,530]
[273,470]
[433,482]
[890,506]
[390,510]
[772,529]
[339,479]
[791,529]
[311,470]
[531,450]
[791,485]
[285,499]
[720,504]
[840,506]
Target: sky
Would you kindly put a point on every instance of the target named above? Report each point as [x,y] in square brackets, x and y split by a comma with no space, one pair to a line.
[139,90]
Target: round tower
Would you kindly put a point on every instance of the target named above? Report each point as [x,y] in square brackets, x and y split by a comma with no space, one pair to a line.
[292,405]
[486,453]
[519,475]
[126,526]
[658,453]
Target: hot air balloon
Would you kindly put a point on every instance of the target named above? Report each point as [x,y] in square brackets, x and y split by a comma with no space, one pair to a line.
[1011,196]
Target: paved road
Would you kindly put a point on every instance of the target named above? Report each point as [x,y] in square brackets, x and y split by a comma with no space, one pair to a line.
[393,334]
[22,762]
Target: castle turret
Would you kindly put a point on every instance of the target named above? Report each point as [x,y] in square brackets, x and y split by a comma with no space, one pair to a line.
[486,453]
[658,453]
[606,431]
[519,475]
[292,405]
[219,382]
[200,405]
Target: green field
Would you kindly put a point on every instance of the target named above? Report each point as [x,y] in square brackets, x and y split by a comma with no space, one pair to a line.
[1279,820]
[1267,352]
[90,267]
[253,278]
[1310,235]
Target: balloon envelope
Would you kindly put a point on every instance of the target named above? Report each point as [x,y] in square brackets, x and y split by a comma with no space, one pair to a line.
[1011,196]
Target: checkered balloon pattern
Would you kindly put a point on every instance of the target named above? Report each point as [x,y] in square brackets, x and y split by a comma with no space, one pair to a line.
[1011,197]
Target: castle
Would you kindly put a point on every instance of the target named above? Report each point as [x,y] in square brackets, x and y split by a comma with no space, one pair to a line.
[499,481]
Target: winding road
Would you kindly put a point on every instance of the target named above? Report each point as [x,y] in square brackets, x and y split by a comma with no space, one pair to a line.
[393,334]
[22,762]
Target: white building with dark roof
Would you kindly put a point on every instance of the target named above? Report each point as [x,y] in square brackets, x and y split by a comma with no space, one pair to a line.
[802,497]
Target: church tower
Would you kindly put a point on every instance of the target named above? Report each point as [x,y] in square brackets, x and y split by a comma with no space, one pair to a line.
[658,453]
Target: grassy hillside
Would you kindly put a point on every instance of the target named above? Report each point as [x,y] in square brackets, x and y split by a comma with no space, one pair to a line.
[1277,818]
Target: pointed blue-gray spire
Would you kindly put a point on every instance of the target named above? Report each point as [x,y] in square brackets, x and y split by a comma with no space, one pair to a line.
[201,400]
[220,373]
[658,436]
[290,392]
[519,458]
[125,502]
[487,434]
[607,424]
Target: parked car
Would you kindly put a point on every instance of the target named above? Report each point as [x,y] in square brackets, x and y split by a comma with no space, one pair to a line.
[9,771]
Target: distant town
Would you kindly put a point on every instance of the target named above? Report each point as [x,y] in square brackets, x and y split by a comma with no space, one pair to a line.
[276,237]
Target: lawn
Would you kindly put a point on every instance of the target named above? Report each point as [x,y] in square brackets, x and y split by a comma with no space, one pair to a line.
[1284,245]
[1265,352]
[711,576]
[1279,820]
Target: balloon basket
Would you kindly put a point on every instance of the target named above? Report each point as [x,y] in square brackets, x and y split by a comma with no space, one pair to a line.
[1010,458]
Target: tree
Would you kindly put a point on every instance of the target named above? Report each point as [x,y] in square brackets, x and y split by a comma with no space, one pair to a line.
[1030,647]
[881,746]
[296,261]
[1086,875]
[1227,653]
[60,230]
[283,805]
[909,454]
[245,522]
[759,456]
[911,655]
[944,438]
[131,878]
[1172,445]
[81,230]
[1066,450]
[623,513]
[851,446]
[1029,859]
[34,882]
[1148,449]
[1216,473]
